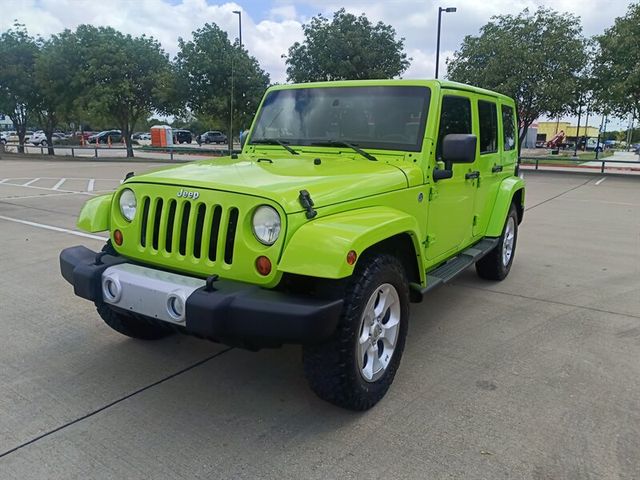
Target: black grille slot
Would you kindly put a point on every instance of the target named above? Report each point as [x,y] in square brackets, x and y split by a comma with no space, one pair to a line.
[156,224]
[231,235]
[184,226]
[197,238]
[143,223]
[171,217]
[215,230]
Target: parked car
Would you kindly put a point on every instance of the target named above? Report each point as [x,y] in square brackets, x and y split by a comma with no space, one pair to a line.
[40,138]
[182,136]
[104,136]
[137,135]
[13,136]
[4,137]
[145,136]
[324,248]
[212,136]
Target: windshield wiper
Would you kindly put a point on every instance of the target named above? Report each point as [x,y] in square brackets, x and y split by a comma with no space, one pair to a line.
[275,141]
[352,146]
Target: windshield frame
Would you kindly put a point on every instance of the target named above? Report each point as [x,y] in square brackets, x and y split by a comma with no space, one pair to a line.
[424,92]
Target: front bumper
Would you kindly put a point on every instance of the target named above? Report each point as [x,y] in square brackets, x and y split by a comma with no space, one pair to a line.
[230,312]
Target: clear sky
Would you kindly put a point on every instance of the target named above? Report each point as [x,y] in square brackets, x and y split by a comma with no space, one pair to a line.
[269,27]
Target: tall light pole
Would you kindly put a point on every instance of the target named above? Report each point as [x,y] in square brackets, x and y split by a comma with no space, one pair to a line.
[230,138]
[239,13]
[440,10]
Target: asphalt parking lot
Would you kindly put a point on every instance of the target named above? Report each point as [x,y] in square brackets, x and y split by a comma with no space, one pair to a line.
[535,377]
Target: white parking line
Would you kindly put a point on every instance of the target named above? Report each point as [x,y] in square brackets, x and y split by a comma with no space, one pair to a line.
[30,182]
[91,184]
[47,188]
[51,227]
[601,180]
[57,185]
[4,180]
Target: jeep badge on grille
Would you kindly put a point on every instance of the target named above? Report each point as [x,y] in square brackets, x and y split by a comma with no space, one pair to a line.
[185,194]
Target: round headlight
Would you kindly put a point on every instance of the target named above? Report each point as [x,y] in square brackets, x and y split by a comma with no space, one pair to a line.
[266,224]
[128,204]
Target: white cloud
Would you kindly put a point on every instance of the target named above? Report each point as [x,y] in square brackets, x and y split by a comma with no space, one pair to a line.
[269,36]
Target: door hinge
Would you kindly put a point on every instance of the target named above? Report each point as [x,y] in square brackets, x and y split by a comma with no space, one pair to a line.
[433,193]
[429,240]
[475,220]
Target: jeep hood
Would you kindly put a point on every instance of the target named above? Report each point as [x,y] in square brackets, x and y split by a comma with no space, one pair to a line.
[336,179]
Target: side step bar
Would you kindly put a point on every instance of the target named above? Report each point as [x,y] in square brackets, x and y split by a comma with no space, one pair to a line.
[456,265]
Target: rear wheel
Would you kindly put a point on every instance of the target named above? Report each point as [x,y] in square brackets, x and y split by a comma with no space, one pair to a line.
[497,263]
[355,368]
[133,325]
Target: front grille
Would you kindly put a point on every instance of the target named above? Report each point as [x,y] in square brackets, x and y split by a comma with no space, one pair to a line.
[188,229]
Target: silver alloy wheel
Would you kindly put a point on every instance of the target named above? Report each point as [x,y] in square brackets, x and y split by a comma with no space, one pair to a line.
[509,239]
[379,332]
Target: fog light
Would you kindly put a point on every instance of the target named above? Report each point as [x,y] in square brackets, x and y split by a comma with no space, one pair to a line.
[263,265]
[117,237]
[111,289]
[175,307]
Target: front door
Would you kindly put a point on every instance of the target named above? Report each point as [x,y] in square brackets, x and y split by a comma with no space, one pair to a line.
[450,220]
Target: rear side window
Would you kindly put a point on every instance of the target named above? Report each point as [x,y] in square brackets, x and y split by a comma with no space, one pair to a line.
[488,115]
[455,117]
[508,127]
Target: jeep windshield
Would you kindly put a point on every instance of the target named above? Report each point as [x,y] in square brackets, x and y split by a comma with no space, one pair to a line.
[378,117]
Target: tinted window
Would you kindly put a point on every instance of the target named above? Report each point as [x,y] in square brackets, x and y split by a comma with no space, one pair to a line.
[384,117]
[508,127]
[488,115]
[455,117]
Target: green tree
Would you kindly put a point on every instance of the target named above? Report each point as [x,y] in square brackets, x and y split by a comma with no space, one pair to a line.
[56,84]
[346,48]
[18,92]
[120,78]
[210,68]
[535,58]
[618,61]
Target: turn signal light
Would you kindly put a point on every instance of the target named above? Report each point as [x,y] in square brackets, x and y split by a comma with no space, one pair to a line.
[263,265]
[117,237]
[352,256]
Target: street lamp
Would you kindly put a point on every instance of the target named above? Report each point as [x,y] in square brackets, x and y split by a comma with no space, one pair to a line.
[239,13]
[230,138]
[440,10]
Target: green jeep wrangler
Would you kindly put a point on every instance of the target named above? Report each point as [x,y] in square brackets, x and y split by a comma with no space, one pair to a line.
[348,201]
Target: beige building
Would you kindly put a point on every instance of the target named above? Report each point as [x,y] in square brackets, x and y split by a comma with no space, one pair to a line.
[547,130]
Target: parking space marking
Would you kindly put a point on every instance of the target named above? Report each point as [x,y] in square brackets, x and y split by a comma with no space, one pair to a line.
[601,180]
[59,184]
[4,180]
[90,185]
[53,228]
[30,182]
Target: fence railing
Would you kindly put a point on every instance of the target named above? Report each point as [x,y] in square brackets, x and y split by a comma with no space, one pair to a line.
[575,161]
[103,151]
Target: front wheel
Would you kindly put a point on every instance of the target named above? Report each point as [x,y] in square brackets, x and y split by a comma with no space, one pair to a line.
[356,366]
[497,263]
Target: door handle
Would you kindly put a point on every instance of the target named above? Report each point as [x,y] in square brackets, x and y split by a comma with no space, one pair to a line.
[470,175]
[496,168]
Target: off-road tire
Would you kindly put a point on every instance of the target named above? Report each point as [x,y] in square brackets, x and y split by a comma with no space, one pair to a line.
[132,325]
[331,368]
[491,266]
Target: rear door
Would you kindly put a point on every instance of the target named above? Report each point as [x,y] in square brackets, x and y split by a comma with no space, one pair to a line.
[489,163]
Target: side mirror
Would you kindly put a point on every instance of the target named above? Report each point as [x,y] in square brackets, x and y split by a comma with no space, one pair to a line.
[459,148]
[243,137]
[456,148]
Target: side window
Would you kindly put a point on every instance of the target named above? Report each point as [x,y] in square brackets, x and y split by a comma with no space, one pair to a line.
[455,117]
[488,115]
[508,127]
